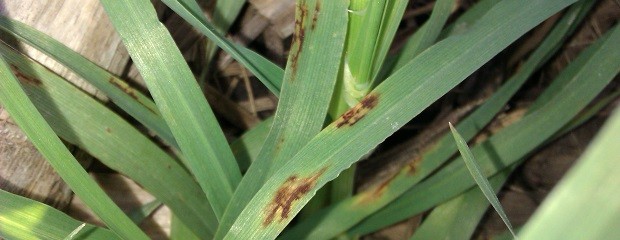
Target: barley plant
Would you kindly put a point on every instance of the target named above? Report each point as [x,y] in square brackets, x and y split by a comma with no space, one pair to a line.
[341,94]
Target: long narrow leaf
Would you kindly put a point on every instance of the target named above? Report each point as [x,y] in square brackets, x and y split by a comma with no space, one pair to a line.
[482,182]
[468,19]
[585,204]
[427,34]
[132,101]
[81,120]
[273,72]
[129,99]
[180,231]
[391,21]
[393,103]
[587,75]
[306,92]
[42,136]
[463,23]
[339,217]
[260,67]
[248,146]
[142,212]
[179,99]
[23,218]
[224,14]
[458,218]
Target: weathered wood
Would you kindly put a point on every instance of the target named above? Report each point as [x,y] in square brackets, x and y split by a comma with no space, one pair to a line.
[25,172]
[281,14]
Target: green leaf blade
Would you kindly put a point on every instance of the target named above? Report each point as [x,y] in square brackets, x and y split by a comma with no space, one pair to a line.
[388,107]
[31,122]
[23,218]
[132,101]
[81,120]
[340,216]
[427,34]
[585,203]
[459,217]
[307,89]
[179,99]
[259,66]
[584,78]
[482,182]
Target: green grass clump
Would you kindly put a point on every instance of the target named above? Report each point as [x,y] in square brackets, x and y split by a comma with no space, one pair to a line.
[338,69]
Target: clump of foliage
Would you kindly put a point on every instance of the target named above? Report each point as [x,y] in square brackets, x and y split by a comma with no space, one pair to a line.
[338,68]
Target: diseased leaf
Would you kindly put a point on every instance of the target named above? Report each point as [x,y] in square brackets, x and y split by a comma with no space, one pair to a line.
[307,89]
[81,120]
[398,99]
[24,113]
[583,79]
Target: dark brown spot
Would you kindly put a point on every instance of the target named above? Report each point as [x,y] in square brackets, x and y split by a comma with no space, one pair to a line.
[123,88]
[369,101]
[279,143]
[24,78]
[129,91]
[108,130]
[317,9]
[298,36]
[293,189]
[359,111]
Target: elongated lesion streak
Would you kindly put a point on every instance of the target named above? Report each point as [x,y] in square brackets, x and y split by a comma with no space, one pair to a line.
[293,189]
[359,111]
[298,36]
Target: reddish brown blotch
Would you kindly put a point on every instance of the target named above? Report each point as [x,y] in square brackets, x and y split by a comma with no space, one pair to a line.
[24,78]
[317,9]
[359,111]
[293,189]
[298,36]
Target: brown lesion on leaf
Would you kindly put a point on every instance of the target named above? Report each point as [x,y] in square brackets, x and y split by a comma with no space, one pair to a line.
[279,143]
[129,91]
[375,192]
[23,77]
[317,9]
[359,111]
[293,189]
[123,87]
[298,36]
[378,190]
[412,166]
